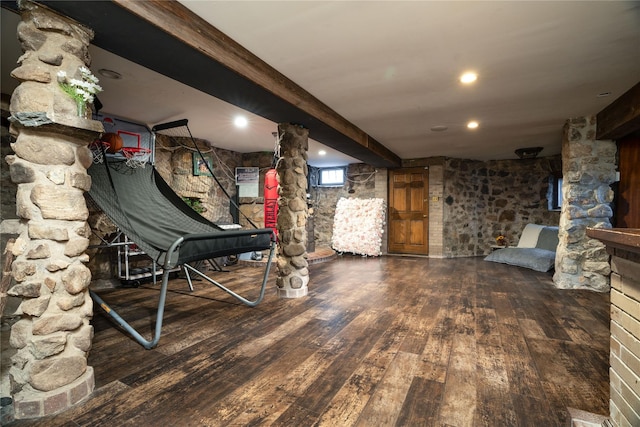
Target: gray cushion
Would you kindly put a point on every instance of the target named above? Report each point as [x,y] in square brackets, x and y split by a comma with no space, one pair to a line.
[548,238]
[533,258]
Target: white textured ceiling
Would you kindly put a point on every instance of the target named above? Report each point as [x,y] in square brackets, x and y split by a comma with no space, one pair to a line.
[391,68]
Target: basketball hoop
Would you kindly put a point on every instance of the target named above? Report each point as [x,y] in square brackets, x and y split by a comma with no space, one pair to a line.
[97,151]
[136,157]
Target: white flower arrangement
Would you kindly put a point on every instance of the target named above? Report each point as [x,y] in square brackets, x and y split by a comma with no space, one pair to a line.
[82,90]
[358,226]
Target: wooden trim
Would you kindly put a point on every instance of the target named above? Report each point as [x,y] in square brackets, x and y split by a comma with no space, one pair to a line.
[424,161]
[621,117]
[627,201]
[621,238]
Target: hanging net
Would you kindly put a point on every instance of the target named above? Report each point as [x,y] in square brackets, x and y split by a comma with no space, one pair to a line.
[197,172]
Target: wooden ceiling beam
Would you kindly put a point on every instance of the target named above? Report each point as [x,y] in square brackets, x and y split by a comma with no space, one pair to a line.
[191,29]
[621,117]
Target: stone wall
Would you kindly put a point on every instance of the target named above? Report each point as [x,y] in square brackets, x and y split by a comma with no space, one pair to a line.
[253,207]
[470,202]
[361,183]
[589,168]
[174,162]
[485,199]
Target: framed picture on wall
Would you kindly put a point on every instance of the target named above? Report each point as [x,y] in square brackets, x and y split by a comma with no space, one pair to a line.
[199,165]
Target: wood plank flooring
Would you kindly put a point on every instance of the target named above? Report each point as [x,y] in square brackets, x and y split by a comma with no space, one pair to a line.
[389,341]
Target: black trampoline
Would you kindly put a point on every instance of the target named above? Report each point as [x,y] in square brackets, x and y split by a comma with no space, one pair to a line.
[150,213]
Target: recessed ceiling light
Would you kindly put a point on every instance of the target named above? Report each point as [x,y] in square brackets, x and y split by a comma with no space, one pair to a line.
[468,77]
[603,94]
[438,128]
[322,152]
[240,121]
[473,124]
[110,74]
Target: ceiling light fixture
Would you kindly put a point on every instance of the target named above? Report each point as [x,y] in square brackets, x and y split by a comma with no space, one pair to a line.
[110,74]
[468,77]
[473,124]
[438,128]
[322,152]
[603,94]
[240,122]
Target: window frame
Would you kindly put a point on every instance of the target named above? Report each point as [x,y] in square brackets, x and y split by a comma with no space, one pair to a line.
[321,172]
[555,192]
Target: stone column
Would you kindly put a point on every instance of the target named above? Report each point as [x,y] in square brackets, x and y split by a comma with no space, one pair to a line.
[49,371]
[588,168]
[436,211]
[382,192]
[293,272]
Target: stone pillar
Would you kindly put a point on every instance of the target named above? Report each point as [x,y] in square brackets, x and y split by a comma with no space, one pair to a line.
[382,192]
[588,168]
[293,272]
[49,371]
[436,211]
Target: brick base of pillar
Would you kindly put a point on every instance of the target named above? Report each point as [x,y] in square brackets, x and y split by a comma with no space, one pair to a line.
[580,418]
[34,404]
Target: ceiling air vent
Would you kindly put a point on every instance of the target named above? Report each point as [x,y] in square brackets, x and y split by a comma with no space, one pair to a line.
[528,153]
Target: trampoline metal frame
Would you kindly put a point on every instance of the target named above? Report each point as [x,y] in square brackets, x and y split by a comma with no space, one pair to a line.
[167,267]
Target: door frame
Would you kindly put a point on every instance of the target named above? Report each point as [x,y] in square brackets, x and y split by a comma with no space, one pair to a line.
[425,209]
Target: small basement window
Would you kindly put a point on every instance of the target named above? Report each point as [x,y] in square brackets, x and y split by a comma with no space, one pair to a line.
[555,193]
[331,177]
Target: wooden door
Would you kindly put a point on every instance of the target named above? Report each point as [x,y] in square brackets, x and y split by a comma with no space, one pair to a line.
[409,211]
[628,205]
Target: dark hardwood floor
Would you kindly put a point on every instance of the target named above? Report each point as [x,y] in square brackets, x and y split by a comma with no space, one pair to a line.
[378,342]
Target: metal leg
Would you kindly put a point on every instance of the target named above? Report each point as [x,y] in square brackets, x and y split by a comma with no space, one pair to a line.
[186,273]
[235,295]
[216,266]
[127,327]
[149,344]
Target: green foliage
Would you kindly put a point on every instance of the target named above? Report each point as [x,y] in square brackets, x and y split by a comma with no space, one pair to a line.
[194,203]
